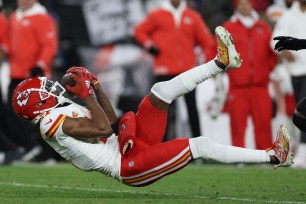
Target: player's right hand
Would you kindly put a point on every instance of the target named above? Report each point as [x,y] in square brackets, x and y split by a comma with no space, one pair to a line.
[82,87]
[286,43]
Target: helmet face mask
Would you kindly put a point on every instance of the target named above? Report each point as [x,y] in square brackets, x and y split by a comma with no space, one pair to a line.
[49,88]
[35,96]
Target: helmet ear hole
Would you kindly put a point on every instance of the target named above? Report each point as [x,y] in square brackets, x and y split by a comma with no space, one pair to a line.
[41,103]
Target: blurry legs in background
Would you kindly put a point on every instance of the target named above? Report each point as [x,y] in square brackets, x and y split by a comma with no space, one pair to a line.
[193,116]
[9,152]
[21,132]
[170,130]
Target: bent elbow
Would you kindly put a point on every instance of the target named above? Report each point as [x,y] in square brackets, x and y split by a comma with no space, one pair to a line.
[113,120]
[109,131]
[106,130]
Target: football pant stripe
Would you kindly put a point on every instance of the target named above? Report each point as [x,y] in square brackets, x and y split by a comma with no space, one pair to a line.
[159,167]
[159,171]
[164,173]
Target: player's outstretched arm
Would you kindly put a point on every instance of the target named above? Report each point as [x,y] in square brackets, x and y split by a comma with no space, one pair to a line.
[105,103]
[289,43]
[97,126]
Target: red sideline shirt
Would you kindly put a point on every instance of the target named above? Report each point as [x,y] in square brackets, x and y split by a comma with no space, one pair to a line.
[175,42]
[254,48]
[32,40]
[3,27]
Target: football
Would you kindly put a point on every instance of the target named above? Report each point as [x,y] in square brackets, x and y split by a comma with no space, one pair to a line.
[67,80]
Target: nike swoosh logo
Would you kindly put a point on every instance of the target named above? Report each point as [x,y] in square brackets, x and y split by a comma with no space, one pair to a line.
[50,120]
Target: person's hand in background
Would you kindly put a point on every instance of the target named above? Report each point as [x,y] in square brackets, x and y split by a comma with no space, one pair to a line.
[289,43]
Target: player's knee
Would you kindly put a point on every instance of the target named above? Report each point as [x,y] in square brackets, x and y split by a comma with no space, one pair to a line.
[159,86]
[203,140]
[159,90]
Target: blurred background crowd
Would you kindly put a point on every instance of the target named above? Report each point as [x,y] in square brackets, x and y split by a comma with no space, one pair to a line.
[131,44]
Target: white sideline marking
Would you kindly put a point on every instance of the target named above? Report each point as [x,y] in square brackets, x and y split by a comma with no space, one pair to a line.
[148,193]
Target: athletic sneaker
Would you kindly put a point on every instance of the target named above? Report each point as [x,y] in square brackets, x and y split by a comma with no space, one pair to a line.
[282,148]
[227,53]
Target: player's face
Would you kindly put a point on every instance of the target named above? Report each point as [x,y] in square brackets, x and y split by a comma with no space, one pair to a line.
[244,7]
[53,88]
[26,4]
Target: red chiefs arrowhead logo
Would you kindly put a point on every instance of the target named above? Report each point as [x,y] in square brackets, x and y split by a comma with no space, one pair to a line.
[23,98]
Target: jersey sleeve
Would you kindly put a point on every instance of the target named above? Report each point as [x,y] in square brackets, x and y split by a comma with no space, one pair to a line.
[51,124]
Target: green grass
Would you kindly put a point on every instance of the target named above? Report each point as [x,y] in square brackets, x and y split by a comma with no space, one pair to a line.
[195,184]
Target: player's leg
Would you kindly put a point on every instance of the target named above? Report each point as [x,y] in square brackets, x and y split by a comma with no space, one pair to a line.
[152,113]
[279,154]
[142,168]
[148,165]
[163,93]
[151,122]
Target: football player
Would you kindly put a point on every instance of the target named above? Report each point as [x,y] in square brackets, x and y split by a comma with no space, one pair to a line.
[137,156]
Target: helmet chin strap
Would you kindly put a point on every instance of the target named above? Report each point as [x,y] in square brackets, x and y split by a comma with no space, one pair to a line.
[60,101]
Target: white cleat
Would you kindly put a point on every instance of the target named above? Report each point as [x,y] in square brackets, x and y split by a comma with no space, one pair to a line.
[282,148]
[227,53]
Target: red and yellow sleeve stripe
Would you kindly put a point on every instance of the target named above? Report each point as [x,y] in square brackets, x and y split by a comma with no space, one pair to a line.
[52,130]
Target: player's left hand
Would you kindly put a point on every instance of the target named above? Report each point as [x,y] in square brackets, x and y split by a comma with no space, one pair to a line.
[286,43]
[85,74]
[82,87]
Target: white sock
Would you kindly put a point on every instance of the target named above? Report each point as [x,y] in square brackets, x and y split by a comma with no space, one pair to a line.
[170,90]
[202,147]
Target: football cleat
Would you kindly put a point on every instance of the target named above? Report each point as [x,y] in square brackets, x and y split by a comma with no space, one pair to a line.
[282,148]
[227,53]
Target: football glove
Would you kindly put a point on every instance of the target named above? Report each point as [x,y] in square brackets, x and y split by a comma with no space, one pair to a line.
[289,43]
[86,74]
[82,87]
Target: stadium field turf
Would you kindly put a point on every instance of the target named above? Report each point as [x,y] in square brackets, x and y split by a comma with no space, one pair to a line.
[62,183]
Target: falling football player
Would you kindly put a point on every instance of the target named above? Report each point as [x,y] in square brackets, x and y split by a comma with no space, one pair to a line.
[137,156]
